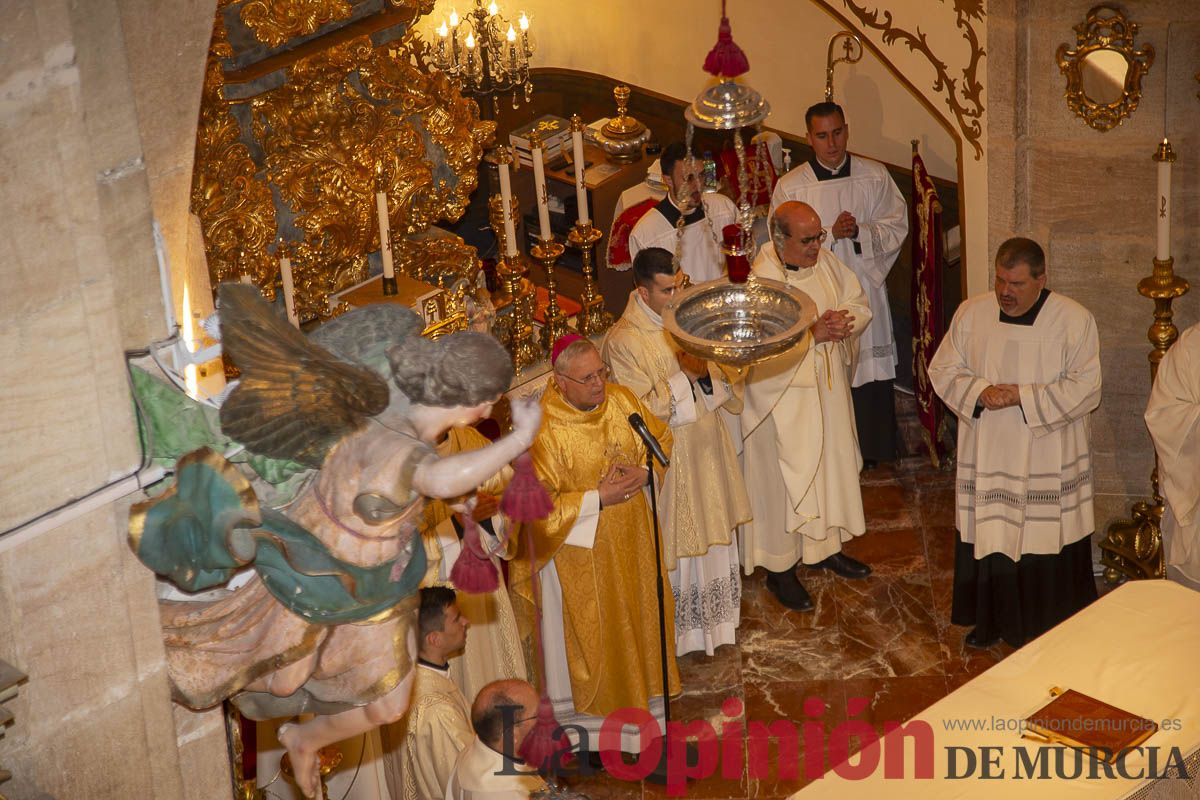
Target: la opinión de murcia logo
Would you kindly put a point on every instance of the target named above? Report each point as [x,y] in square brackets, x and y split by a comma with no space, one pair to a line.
[771,750]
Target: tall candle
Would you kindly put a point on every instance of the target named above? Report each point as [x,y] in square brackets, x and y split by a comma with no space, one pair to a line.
[539,187]
[289,290]
[1164,157]
[580,188]
[510,235]
[385,235]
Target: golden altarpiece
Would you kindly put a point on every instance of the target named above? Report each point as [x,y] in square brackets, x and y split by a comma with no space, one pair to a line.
[311,108]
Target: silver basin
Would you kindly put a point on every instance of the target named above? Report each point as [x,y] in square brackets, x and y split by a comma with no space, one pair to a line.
[739,323]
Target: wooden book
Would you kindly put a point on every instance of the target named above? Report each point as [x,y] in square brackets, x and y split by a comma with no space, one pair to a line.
[1077,720]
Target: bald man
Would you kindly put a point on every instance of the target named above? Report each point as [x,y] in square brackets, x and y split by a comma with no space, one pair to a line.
[801,449]
[503,714]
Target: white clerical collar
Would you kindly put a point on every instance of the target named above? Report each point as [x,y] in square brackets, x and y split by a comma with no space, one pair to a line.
[655,318]
[838,168]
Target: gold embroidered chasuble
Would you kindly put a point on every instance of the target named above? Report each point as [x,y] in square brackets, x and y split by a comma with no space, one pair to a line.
[704,496]
[610,608]
[421,749]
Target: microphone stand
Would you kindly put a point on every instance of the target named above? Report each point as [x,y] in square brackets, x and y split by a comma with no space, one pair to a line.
[662,614]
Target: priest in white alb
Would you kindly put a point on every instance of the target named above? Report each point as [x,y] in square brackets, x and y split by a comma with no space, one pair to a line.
[801,453]
[686,223]
[867,219]
[1020,369]
[703,496]
[1173,417]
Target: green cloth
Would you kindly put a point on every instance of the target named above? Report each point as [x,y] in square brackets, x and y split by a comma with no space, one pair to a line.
[208,527]
[174,424]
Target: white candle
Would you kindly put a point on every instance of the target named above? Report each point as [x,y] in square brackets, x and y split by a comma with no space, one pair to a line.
[245,278]
[289,291]
[1163,210]
[510,235]
[539,188]
[385,235]
[580,188]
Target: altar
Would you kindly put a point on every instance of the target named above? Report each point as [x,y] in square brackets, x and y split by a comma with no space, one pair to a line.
[1113,651]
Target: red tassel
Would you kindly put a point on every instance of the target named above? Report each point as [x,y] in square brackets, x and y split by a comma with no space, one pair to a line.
[525,499]
[541,744]
[726,59]
[473,571]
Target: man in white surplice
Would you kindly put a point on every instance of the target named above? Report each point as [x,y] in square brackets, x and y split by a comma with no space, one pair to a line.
[703,497]
[802,460]
[686,222]
[1173,416]
[867,219]
[1020,369]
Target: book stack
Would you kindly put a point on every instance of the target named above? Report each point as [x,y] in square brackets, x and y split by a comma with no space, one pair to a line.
[555,133]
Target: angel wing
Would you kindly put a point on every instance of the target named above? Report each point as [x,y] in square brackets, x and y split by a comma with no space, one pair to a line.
[295,399]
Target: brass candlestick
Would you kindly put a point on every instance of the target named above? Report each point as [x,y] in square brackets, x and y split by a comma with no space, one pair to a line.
[593,319]
[515,330]
[554,325]
[1133,548]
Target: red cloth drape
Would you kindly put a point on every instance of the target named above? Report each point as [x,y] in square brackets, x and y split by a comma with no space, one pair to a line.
[618,246]
[926,227]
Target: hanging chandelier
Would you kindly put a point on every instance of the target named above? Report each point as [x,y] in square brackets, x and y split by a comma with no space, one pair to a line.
[486,54]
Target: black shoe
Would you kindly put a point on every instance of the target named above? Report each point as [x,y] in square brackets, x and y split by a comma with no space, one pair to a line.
[844,565]
[869,464]
[972,640]
[789,591]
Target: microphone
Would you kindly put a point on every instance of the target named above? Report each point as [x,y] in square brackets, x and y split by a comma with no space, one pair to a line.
[639,426]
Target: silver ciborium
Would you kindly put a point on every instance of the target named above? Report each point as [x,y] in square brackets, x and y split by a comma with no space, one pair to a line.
[739,323]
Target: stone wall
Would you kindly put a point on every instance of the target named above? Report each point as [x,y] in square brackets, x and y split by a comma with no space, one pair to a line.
[98,103]
[1089,197]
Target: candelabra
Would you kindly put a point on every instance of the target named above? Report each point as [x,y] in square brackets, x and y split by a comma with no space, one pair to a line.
[593,319]
[1133,548]
[554,326]
[516,330]
[482,53]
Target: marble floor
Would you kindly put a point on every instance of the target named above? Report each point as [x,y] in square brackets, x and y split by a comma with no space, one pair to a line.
[886,639]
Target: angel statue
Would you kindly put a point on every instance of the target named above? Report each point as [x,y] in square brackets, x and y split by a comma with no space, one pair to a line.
[324,624]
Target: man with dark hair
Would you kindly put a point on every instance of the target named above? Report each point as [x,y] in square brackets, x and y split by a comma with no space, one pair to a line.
[703,496]
[503,714]
[686,223]
[420,750]
[1020,368]
[867,222]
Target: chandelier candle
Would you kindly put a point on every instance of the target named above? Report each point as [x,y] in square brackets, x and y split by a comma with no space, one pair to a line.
[580,188]
[385,236]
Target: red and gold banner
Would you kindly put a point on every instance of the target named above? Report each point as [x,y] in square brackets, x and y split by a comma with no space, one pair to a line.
[926,227]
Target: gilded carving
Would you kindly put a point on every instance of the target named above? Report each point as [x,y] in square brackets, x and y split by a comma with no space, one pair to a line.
[276,21]
[1104,44]
[964,100]
[236,211]
[348,121]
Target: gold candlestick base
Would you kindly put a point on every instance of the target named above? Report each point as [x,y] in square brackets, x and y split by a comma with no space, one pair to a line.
[1132,549]
[389,286]
[593,319]
[522,340]
[555,324]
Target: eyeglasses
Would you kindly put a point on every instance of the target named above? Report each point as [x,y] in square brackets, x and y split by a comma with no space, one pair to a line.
[599,376]
[820,237]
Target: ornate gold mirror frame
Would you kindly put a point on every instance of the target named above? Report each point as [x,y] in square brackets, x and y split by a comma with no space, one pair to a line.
[1104,52]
